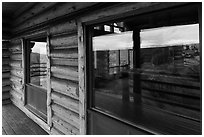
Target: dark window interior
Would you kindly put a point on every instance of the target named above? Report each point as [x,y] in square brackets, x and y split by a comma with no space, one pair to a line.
[145,70]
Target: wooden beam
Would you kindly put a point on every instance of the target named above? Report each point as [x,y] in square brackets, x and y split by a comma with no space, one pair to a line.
[81,71]
[49,110]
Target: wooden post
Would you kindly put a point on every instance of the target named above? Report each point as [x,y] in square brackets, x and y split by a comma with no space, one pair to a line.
[23,69]
[136,64]
[81,70]
[49,110]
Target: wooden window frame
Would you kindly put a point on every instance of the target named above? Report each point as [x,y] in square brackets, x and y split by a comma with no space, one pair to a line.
[87,40]
[46,125]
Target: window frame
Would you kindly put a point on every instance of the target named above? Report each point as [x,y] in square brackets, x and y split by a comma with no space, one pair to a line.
[88,29]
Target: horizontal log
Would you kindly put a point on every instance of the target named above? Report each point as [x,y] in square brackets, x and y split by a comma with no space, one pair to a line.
[54,131]
[65,27]
[66,115]
[16,57]
[171,89]
[17,87]
[5,95]
[16,47]
[60,128]
[66,126]
[65,101]
[59,10]
[68,71]
[65,87]
[5,44]
[64,54]
[15,42]
[16,96]
[67,62]
[65,40]
[6,53]
[15,63]
[7,101]
[16,79]
[65,77]
[5,75]
[33,11]
[17,72]
[6,82]
[5,61]
[6,68]
[6,89]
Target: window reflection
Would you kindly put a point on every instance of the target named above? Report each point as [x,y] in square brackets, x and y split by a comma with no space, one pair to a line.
[167,81]
[38,64]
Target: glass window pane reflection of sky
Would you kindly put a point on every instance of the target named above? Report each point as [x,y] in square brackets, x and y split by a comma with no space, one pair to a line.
[163,36]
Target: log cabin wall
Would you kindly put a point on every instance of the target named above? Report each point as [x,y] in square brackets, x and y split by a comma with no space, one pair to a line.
[63,22]
[5,73]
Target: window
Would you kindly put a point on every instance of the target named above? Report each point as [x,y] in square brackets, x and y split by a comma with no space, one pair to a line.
[38,64]
[146,72]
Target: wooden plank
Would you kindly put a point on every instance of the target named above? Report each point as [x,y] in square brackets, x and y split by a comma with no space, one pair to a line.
[60,128]
[35,10]
[68,71]
[5,95]
[65,87]
[5,61]
[6,102]
[5,75]
[64,41]
[65,27]
[49,110]
[17,72]
[6,89]
[17,64]
[67,62]
[7,127]
[66,77]
[5,53]
[126,9]
[15,47]
[54,131]
[16,57]
[5,82]
[65,101]
[81,71]
[64,54]
[66,115]
[5,68]
[40,122]
[16,95]
[59,10]
[66,126]
[16,79]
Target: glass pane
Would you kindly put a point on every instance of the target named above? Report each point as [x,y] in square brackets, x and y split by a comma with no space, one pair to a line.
[170,69]
[165,86]
[38,64]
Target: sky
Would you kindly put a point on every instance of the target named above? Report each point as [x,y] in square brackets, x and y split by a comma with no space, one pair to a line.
[39,47]
[160,37]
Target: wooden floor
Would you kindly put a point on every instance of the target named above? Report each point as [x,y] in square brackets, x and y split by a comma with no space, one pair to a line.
[15,122]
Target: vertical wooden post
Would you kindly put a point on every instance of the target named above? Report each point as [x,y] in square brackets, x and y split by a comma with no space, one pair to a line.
[136,64]
[23,69]
[81,70]
[49,110]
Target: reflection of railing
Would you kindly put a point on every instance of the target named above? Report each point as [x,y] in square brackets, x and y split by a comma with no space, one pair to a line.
[176,94]
[38,69]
